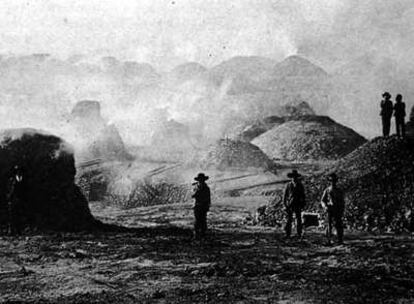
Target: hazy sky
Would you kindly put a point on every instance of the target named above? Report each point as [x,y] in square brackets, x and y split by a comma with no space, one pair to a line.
[369,42]
[162,31]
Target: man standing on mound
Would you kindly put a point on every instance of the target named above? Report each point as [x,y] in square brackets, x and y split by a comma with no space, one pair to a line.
[202,205]
[294,201]
[399,113]
[386,113]
[333,202]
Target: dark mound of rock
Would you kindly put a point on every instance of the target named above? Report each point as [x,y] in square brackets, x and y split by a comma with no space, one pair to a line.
[308,138]
[227,154]
[378,179]
[51,200]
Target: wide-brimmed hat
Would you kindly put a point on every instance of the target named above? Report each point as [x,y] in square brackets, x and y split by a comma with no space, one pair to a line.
[201,177]
[294,173]
[332,177]
[386,94]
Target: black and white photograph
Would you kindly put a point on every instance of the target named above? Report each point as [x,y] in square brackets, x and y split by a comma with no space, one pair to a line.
[207,151]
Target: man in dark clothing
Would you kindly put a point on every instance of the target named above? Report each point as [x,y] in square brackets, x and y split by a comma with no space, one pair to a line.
[333,203]
[386,113]
[15,194]
[202,205]
[294,201]
[399,113]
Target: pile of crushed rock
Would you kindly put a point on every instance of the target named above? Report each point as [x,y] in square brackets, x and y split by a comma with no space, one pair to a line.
[231,154]
[378,179]
[308,138]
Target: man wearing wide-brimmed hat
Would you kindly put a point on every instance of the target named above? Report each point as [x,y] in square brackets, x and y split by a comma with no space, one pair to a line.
[386,113]
[334,203]
[202,205]
[294,201]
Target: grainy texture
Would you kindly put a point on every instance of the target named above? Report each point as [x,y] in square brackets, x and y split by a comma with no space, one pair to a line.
[309,138]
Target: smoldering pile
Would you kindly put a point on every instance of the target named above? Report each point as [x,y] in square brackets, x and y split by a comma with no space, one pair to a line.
[247,131]
[50,199]
[309,137]
[231,154]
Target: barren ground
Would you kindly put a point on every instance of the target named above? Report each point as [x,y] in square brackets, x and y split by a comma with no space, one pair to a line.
[156,261]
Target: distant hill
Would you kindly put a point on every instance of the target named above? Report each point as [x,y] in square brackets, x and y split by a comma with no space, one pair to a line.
[242,74]
[141,72]
[248,130]
[261,79]
[308,138]
[296,66]
[187,71]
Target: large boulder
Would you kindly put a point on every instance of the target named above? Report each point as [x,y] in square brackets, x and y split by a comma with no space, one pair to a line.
[51,199]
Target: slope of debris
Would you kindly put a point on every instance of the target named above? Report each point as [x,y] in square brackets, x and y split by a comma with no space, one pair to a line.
[410,124]
[378,180]
[308,138]
[235,154]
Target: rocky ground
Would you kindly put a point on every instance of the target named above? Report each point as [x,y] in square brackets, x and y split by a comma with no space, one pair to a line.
[156,261]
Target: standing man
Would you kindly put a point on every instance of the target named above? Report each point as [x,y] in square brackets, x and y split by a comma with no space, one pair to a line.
[386,113]
[334,204]
[15,196]
[202,205]
[399,113]
[294,201]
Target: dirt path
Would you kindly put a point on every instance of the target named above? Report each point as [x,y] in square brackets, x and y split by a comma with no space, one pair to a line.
[157,262]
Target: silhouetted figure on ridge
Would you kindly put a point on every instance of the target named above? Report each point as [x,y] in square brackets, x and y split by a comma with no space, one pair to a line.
[386,113]
[294,201]
[399,113]
[202,205]
[333,203]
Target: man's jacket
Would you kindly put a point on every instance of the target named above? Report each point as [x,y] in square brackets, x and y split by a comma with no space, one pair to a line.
[399,109]
[202,196]
[386,108]
[294,196]
[333,199]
